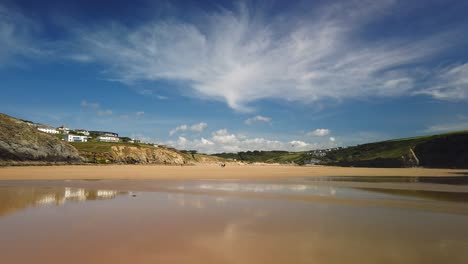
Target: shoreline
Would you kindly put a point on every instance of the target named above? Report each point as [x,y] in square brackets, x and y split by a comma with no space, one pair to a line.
[205,171]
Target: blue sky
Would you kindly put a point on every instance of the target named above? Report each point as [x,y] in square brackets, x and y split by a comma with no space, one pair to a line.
[229,76]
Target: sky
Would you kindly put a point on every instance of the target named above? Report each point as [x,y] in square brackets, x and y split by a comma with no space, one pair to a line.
[228,76]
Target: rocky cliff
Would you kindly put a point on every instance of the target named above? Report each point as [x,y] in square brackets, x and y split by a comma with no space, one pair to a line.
[129,153]
[22,142]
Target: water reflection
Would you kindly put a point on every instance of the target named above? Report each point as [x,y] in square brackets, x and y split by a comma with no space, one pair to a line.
[260,188]
[215,226]
[15,198]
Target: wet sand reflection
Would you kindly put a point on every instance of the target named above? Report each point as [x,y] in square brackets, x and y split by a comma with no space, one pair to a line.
[179,226]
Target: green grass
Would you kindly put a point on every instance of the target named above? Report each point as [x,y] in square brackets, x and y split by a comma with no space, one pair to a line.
[390,149]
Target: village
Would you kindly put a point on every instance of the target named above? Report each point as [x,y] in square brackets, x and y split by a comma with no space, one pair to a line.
[83,135]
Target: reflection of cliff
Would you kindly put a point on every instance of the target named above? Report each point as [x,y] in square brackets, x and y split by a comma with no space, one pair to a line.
[17,198]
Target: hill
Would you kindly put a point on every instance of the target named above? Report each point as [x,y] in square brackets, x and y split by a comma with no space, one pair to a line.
[20,142]
[274,156]
[137,153]
[436,151]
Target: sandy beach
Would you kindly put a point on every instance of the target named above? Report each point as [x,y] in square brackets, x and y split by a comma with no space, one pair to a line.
[206,172]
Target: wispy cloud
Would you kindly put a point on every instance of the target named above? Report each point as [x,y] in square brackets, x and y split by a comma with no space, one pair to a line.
[450,83]
[447,127]
[140,113]
[236,57]
[107,112]
[258,119]
[240,56]
[85,103]
[319,132]
[18,35]
[194,128]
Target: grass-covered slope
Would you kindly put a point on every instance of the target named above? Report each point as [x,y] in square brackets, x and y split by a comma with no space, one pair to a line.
[444,151]
[438,151]
[274,156]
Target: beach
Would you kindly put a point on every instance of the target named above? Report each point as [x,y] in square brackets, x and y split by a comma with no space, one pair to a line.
[209,171]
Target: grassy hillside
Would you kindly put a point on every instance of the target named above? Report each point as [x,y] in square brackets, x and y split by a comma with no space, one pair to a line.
[448,150]
[428,150]
[274,156]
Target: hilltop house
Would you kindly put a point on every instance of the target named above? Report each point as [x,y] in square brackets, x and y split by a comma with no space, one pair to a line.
[107,138]
[82,132]
[75,138]
[104,133]
[49,130]
[63,129]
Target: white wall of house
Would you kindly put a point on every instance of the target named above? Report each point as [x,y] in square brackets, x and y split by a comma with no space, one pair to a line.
[48,130]
[83,132]
[107,139]
[75,138]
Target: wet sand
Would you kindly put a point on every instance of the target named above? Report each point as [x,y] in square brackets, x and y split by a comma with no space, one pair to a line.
[206,172]
[294,220]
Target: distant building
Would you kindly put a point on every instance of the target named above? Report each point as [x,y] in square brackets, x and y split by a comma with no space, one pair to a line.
[105,133]
[49,130]
[106,138]
[63,129]
[82,132]
[75,138]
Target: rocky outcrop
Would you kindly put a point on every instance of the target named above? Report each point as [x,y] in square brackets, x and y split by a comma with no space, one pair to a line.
[449,151]
[22,142]
[143,155]
[140,154]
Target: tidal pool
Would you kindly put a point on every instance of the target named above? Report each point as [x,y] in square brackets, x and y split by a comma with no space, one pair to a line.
[231,221]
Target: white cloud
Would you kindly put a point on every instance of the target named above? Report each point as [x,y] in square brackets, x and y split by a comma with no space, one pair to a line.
[85,103]
[141,113]
[238,58]
[194,128]
[447,127]
[80,58]
[258,119]
[319,132]
[332,139]
[224,141]
[104,112]
[17,36]
[451,83]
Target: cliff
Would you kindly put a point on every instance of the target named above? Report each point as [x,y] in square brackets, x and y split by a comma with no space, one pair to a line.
[436,151]
[135,153]
[20,142]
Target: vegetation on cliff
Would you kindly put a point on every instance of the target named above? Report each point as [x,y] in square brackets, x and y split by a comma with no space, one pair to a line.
[137,153]
[443,151]
[22,142]
[438,151]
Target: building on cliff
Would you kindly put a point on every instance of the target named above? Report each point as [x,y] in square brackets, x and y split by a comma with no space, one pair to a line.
[49,130]
[82,132]
[63,129]
[107,138]
[104,133]
[74,138]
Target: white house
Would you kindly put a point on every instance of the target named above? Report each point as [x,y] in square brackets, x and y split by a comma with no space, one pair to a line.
[107,139]
[63,129]
[82,132]
[75,138]
[48,130]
